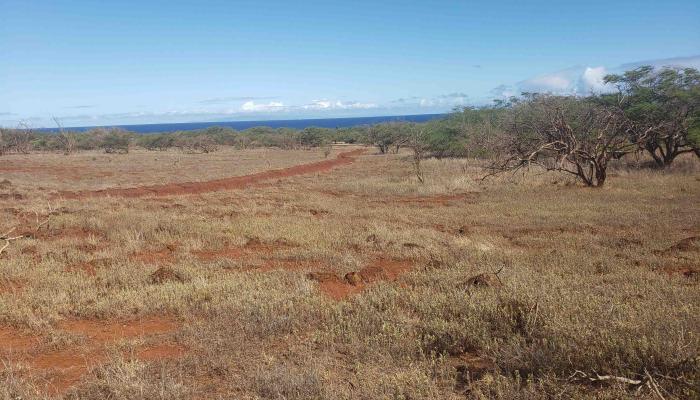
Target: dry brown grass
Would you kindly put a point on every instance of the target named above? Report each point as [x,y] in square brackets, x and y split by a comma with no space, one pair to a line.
[92,170]
[594,280]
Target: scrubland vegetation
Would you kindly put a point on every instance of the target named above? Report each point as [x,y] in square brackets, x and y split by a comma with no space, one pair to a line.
[463,258]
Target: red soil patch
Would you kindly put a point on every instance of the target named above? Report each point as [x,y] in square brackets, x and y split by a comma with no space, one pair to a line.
[685,271]
[165,255]
[106,331]
[287,265]
[354,282]
[236,182]
[64,368]
[470,367]
[333,286]
[385,269]
[233,253]
[12,340]
[12,286]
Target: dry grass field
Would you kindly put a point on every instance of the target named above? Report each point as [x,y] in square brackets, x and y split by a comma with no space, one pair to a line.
[355,282]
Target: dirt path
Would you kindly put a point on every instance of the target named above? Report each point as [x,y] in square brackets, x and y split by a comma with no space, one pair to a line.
[235,182]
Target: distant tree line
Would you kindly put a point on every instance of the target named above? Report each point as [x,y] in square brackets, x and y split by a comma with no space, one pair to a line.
[117,140]
[652,111]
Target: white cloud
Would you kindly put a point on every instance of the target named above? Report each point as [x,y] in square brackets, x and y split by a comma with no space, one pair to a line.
[251,106]
[559,82]
[592,79]
[550,82]
[337,105]
[231,99]
[444,101]
[503,92]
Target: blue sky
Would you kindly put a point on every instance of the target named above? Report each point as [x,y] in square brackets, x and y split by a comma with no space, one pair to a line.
[129,62]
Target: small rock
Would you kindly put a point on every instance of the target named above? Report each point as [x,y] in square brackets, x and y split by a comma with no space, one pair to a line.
[353,278]
[166,274]
[485,280]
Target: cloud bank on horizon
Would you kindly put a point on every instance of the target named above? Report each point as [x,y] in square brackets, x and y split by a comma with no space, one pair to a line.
[577,80]
[584,80]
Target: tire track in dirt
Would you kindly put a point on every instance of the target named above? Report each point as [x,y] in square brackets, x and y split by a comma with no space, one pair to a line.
[235,182]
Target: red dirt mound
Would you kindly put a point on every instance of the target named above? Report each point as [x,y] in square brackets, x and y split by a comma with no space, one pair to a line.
[333,286]
[166,274]
[354,282]
[236,182]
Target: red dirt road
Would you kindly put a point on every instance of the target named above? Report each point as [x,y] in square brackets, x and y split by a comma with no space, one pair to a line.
[235,182]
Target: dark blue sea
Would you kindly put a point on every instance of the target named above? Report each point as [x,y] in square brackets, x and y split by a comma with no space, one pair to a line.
[291,123]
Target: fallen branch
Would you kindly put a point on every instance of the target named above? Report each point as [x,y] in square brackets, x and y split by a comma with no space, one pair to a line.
[603,378]
[647,380]
[652,384]
[7,238]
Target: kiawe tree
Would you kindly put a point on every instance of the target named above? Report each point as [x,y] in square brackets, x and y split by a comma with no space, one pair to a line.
[663,110]
[417,138]
[387,136]
[568,134]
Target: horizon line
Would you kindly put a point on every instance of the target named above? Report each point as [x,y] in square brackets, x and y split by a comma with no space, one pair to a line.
[213,123]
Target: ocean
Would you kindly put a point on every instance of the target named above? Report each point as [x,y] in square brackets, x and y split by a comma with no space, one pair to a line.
[290,123]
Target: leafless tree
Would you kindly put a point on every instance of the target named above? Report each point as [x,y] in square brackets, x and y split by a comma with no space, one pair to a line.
[67,141]
[416,139]
[16,140]
[21,139]
[3,141]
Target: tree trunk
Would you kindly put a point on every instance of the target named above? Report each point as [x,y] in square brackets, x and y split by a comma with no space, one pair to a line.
[651,149]
[600,175]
